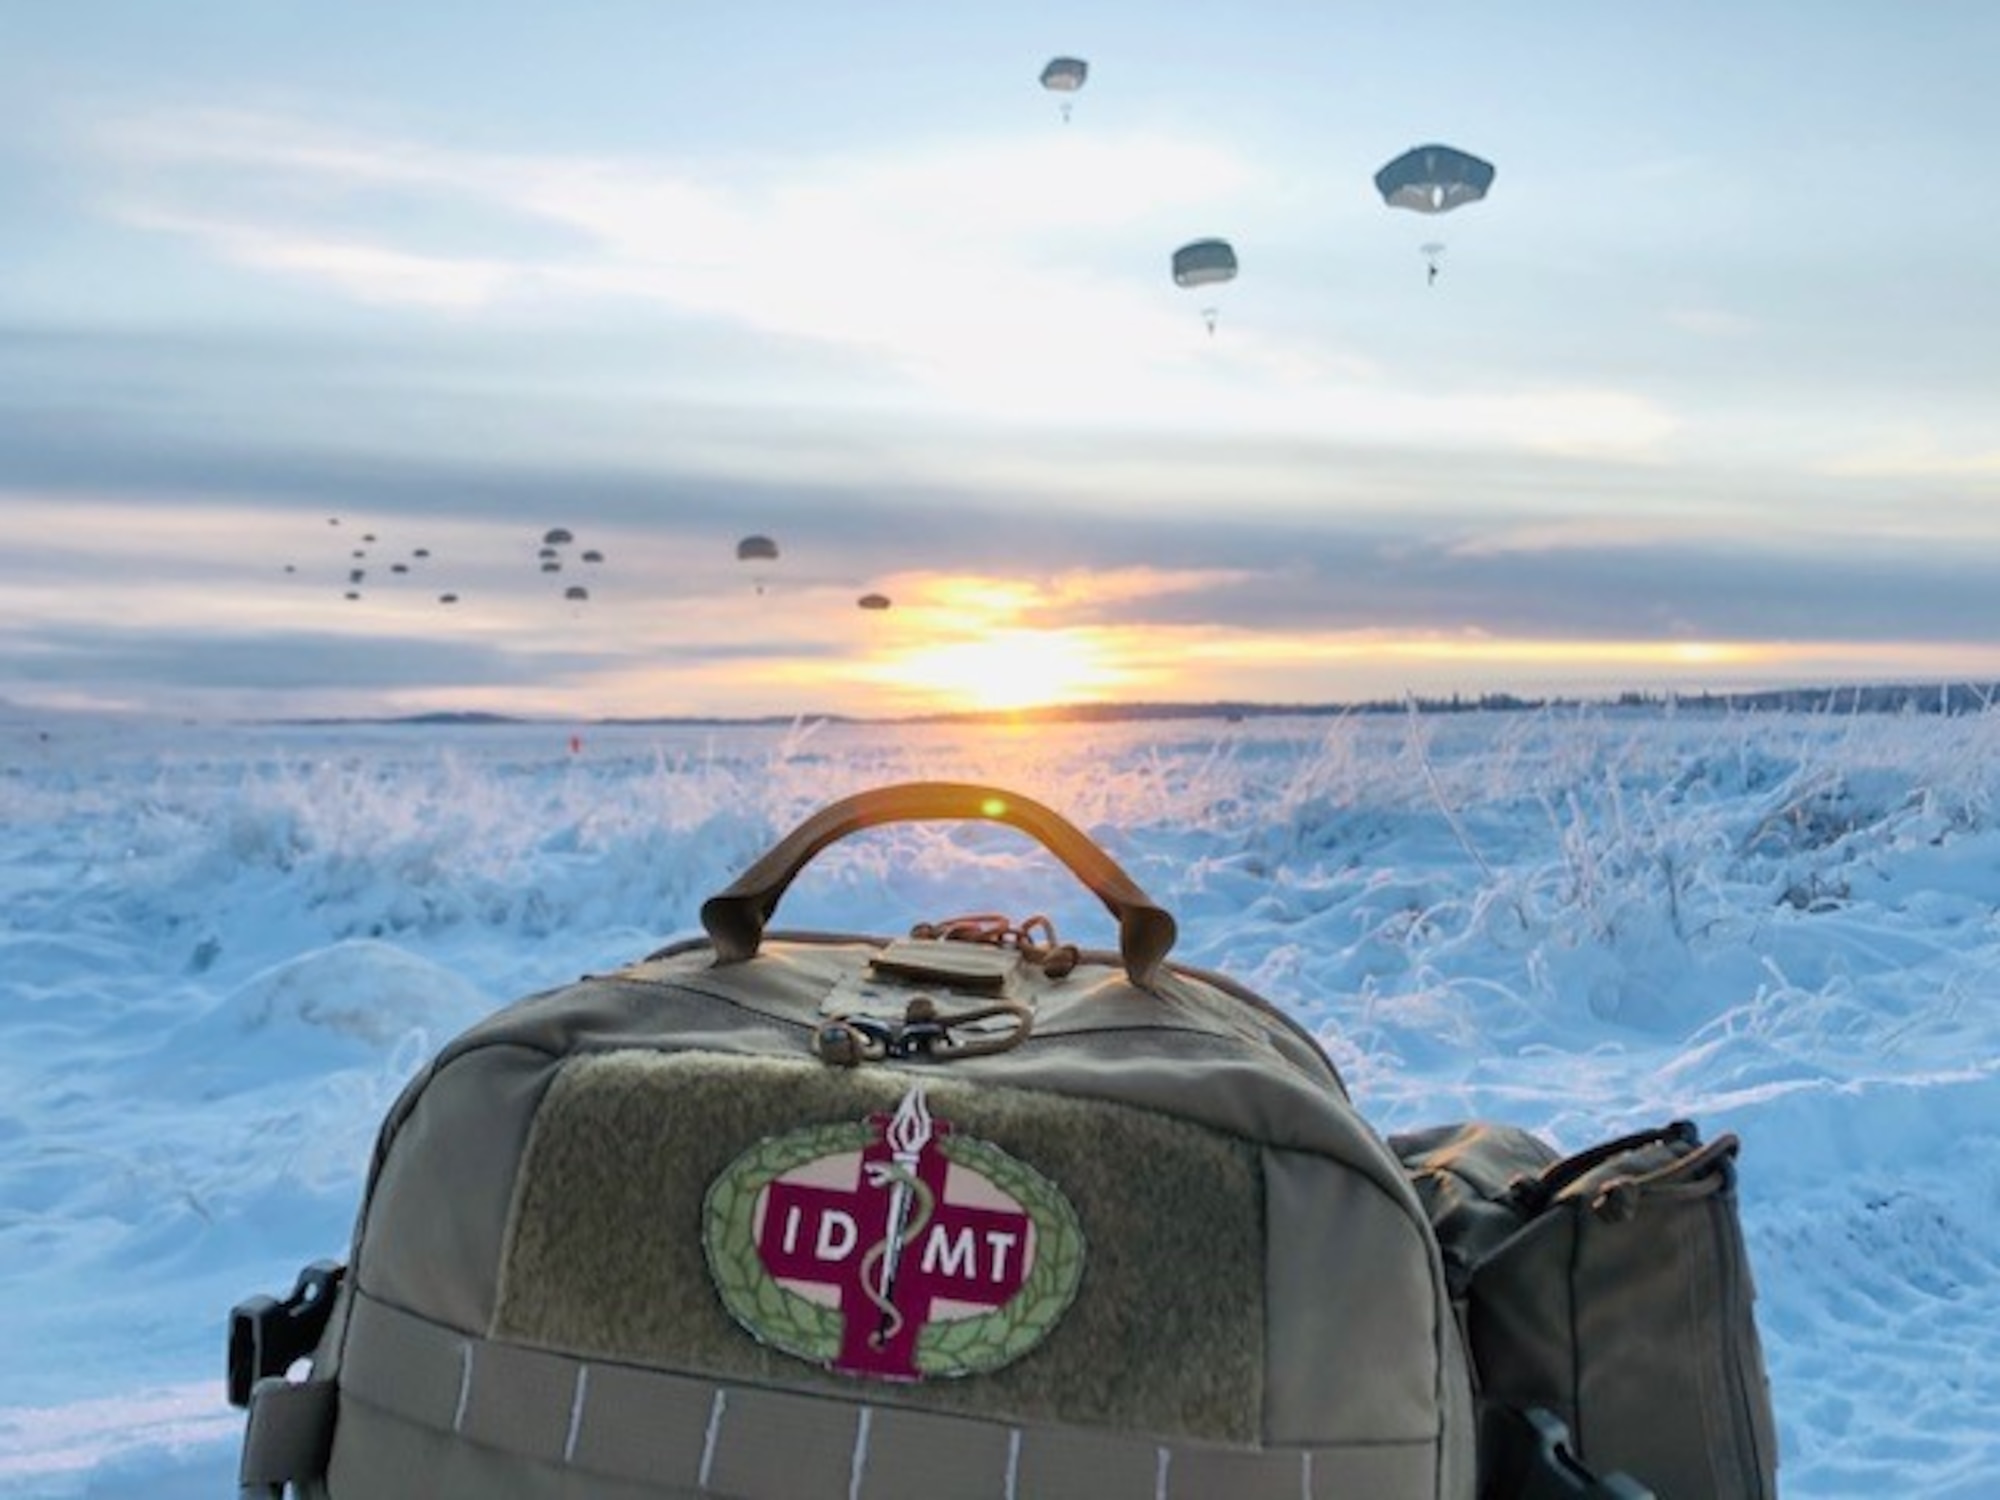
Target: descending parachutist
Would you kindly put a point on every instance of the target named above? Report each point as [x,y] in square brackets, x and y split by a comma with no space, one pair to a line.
[1065,75]
[1205,263]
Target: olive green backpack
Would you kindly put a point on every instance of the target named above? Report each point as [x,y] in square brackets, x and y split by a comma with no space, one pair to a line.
[791,1215]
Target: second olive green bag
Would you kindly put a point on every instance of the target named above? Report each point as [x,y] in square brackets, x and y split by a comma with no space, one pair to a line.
[1611,1291]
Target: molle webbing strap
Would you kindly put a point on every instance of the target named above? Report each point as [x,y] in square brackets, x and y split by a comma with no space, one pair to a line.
[689,1435]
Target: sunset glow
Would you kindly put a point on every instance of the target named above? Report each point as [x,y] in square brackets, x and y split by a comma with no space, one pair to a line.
[1006,670]
[861,289]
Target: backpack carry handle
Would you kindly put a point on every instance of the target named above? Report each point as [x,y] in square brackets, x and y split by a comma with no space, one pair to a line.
[735,918]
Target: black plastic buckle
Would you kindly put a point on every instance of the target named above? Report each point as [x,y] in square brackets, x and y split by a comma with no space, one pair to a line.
[266,1336]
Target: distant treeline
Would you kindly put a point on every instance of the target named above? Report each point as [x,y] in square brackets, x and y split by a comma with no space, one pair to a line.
[1886,698]
[1890,698]
[1950,698]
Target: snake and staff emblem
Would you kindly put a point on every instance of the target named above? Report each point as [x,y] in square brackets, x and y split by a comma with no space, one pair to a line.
[911,1202]
[892,1248]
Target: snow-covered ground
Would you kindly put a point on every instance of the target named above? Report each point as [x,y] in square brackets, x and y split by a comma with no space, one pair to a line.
[223,948]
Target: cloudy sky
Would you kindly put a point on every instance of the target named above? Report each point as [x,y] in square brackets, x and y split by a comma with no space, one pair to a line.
[1703,394]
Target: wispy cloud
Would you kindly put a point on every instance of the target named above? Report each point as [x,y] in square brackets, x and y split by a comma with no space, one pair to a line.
[1915,454]
[976,602]
[821,247]
[1022,280]
[1578,534]
[365,270]
[280,148]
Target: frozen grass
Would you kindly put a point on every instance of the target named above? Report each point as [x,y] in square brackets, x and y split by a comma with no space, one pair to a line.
[223,950]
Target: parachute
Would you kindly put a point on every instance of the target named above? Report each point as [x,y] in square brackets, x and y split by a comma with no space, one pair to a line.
[447,598]
[1205,263]
[872,601]
[550,556]
[757,549]
[1065,75]
[1434,179]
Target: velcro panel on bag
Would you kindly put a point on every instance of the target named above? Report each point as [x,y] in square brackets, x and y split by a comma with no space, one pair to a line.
[604,1252]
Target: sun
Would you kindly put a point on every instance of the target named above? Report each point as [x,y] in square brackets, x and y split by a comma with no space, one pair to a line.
[1008,669]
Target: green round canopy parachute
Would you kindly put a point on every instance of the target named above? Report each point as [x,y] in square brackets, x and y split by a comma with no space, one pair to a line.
[757,549]
[1434,179]
[1205,263]
[556,537]
[1065,75]
[576,591]
[872,601]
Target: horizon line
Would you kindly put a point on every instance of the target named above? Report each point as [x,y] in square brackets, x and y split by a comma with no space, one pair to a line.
[1923,697]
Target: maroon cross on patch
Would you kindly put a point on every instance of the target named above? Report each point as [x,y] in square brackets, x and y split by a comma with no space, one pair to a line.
[892,1245]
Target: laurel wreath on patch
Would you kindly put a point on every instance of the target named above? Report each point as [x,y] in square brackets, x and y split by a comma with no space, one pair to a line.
[989,1340]
[780,1318]
[810,1330]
